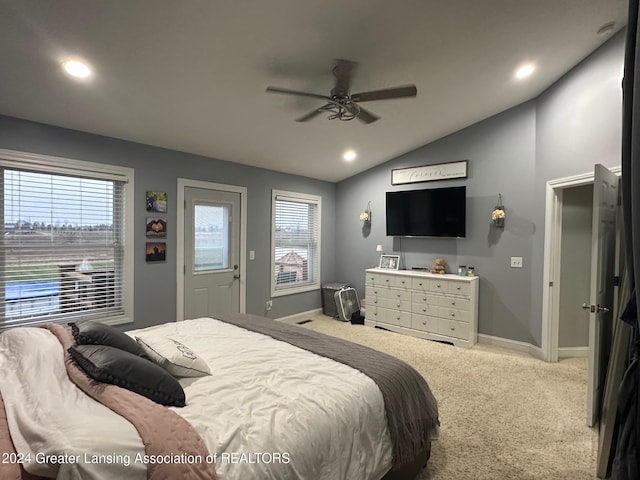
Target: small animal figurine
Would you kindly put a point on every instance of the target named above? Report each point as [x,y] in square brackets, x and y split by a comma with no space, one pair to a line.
[439,266]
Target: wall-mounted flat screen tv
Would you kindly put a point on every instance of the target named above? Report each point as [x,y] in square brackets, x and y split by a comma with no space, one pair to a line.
[433,212]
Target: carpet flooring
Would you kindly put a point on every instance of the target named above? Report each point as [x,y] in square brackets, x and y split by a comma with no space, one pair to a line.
[503,414]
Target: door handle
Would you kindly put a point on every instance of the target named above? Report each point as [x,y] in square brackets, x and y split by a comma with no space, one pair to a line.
[595,308]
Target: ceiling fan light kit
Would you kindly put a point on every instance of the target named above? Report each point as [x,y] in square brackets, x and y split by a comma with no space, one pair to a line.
[341,104]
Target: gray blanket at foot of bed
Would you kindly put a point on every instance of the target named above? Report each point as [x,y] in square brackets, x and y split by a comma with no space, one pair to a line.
[411,409]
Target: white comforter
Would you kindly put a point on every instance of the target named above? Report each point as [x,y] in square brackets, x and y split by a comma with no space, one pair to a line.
[269,410]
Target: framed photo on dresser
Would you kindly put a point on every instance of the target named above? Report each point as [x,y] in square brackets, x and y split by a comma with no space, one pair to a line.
[390,262]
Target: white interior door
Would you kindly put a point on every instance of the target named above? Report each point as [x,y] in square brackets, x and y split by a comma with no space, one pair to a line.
[211,252]
[603,236]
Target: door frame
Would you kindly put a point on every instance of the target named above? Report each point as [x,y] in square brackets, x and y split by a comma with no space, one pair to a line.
[180,227]
[551,274]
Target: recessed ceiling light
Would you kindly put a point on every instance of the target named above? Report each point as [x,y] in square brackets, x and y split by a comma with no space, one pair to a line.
[349,155]
[76,68]
[525,70]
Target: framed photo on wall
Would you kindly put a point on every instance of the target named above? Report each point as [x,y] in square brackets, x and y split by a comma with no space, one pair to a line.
[156,202]
[156,251]
[156,227]
[390,262]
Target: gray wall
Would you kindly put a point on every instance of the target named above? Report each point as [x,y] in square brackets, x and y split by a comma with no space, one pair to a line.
[571,126]
[563,132]
[575,266]
[158,169]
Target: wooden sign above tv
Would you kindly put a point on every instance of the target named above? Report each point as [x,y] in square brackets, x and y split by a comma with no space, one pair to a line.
[428,173]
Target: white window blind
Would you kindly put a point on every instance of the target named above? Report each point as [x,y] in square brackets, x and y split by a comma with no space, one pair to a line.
[295,242]
[63,246]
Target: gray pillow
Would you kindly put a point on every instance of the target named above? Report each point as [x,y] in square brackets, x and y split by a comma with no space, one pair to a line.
[96,333]
[124,369]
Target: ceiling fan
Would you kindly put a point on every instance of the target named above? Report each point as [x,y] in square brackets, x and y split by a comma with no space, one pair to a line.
[341,103]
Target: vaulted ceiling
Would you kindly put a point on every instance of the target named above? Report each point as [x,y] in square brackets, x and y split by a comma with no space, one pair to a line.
[191,75]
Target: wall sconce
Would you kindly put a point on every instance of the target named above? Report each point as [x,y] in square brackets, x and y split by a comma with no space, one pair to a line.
[498,215]
[366,215]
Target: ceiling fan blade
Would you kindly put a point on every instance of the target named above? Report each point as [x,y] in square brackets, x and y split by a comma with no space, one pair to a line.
[310,115]
[295,92]
[343,71]
[386,93]
[366,116]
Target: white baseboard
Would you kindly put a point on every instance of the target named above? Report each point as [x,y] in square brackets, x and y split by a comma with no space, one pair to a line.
[573,352]
[482,338]
[298,317]
[512,345]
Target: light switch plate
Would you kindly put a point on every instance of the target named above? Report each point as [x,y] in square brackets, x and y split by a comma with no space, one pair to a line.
[516,262]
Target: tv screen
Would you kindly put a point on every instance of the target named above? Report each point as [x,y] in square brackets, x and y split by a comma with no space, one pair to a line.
[435,212]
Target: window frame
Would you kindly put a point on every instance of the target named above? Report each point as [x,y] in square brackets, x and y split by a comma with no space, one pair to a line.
[302,198]
[64,166]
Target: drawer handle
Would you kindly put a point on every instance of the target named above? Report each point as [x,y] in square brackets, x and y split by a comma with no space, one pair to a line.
[453,329]
[420,283]
[439,286]
[403,282]
[453,302]
[398,295]
[398,305]
[424,323]
[424,309]
[375,301]
[453,314]
[459,288]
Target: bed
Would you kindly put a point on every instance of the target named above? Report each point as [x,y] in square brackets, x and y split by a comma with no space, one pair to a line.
[274,401]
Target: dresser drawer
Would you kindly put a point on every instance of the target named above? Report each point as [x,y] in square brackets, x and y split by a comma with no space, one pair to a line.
[374,300]
[380,292]
[459,303]
[395,304]
[397,317]
[420,284]
[424,323]
[459,288]
[455,314]
[401,282]
[425,309]
[451,328]
[373,279]
[438,285]
[399,295]
[373,312]
[426,298]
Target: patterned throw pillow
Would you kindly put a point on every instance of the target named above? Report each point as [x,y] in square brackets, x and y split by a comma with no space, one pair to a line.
[178,359]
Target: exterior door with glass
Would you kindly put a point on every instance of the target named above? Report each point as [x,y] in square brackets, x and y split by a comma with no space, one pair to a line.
[211,252]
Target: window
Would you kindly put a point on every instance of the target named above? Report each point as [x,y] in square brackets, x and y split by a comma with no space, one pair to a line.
[66,240]
[211,237]
[295,242]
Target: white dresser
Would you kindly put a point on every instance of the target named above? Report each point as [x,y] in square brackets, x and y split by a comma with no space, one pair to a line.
[422,304]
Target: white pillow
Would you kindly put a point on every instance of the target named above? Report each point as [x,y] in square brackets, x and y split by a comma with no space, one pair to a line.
[175,357]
